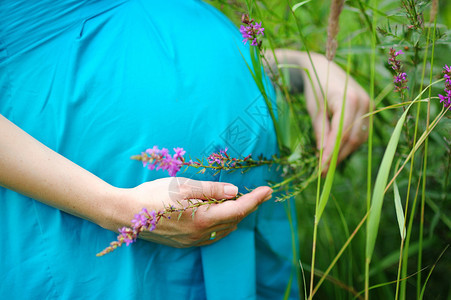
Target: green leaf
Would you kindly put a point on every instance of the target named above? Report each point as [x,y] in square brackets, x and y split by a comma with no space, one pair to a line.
[297,5]
[380,185]
[325,193]
[399,211]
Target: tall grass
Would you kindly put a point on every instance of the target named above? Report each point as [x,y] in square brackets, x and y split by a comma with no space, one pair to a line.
[387,231]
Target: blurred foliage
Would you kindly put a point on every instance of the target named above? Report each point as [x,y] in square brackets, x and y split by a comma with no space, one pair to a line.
[348,204]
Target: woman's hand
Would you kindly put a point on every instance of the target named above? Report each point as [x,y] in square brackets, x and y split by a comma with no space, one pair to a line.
[192,229]
[326,120]
[357,104]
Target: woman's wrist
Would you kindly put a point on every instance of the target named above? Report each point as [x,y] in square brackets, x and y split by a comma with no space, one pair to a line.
[290,62]
[119,208]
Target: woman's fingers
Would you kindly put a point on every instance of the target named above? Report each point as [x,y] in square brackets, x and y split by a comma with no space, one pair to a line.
[230,213]
[222,218]
[358,135]
[204,190]
[235,210]
[354,131]
[357,131]
[194,226]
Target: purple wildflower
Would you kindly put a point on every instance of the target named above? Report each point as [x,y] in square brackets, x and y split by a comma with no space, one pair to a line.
[219,158]
[144,220]
[154,151]
[152,221]
[127,235]
[140,220]
[400,77]
[251,31]
[179,152]
[170,164]
[224,152]
[155,158]
[446,99]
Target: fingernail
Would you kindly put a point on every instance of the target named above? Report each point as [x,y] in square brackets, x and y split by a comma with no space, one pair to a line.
[268,197]
[230,190]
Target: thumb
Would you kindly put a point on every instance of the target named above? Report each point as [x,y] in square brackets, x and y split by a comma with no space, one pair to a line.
[241,207]
[205,190]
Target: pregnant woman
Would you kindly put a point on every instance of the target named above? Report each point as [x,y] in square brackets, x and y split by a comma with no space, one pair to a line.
[84,85]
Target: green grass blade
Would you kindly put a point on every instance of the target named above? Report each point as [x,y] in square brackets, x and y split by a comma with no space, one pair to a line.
[333,162]
[297,5]
[430,272]
[387,283]
[379,187]
[288,289]
[399,211]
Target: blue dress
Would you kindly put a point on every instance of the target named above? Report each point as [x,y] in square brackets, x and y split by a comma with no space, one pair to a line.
[99,81]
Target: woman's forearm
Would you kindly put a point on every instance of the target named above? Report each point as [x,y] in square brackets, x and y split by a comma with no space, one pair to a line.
[32,169]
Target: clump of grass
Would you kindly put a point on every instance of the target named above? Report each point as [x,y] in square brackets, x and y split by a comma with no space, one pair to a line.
[386,259]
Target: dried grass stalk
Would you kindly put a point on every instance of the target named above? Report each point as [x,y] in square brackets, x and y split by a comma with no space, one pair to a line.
[434,9]
[332,28]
